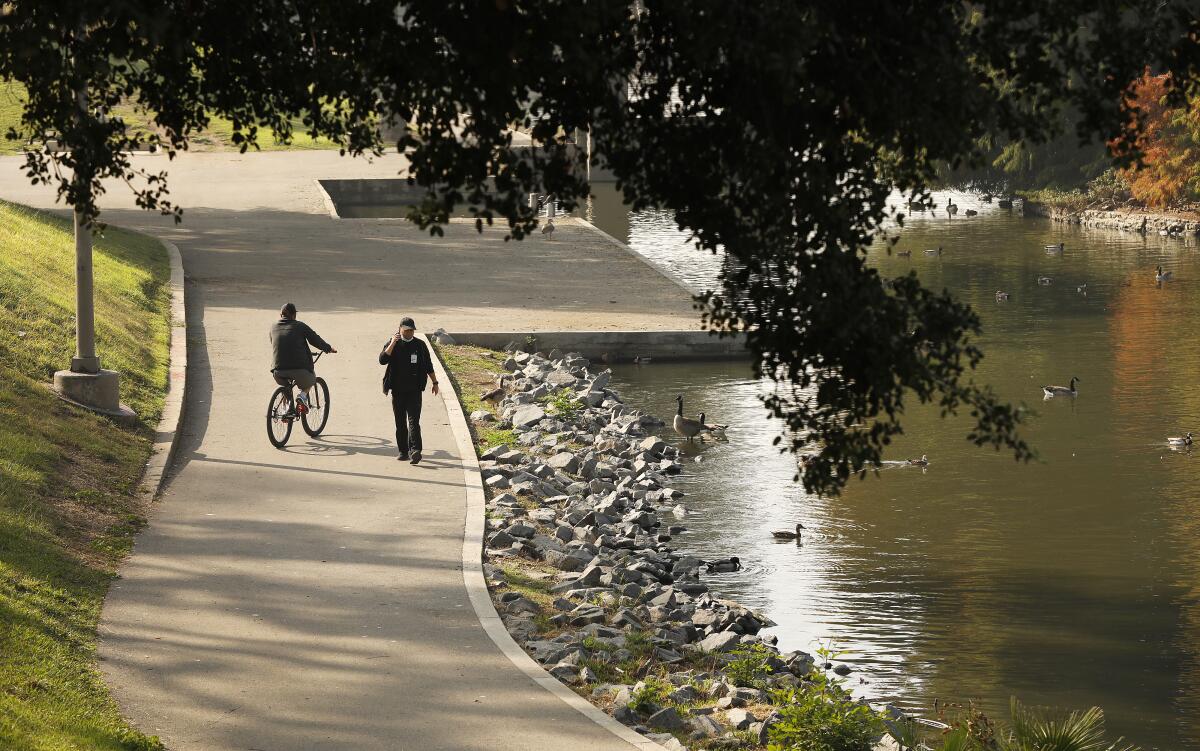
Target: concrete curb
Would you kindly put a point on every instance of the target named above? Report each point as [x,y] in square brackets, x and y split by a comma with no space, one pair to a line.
[477,591]
[167,434]
[658,267]
[330,207]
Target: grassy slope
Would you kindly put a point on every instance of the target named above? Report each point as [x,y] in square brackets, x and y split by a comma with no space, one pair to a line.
[67,508]
[218,136]
[473,370]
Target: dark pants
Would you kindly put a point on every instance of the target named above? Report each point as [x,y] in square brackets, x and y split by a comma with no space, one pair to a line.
[406,407]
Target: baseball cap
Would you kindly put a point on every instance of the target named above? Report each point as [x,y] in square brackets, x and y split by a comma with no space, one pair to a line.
[407,323]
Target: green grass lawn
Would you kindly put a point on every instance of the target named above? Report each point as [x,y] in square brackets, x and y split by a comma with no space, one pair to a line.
[218,136]
[68,511]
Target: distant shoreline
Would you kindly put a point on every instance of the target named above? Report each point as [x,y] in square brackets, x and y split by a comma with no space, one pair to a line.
[1141,221]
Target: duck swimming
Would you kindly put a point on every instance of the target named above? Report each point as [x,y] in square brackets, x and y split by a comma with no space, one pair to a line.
[922,462]
[1185,440]
[733,563]
[1052,391]
[1056,248]
[1043,281]
[1001,296]
[784,534]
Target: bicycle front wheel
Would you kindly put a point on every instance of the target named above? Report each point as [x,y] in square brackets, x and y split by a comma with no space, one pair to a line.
[280,417]
[318,409]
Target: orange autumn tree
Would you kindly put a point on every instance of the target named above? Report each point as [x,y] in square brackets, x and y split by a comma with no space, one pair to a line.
[1170,143]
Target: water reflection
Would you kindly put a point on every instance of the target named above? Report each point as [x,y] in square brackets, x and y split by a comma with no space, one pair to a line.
[1071,581]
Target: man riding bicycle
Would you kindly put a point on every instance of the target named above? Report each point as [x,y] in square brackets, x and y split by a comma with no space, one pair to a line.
[290,340]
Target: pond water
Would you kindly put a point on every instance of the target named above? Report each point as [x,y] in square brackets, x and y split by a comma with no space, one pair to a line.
[1070,582]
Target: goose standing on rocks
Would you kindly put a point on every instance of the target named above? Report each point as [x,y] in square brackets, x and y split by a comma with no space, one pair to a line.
[1183,441]
[1053,391]
[786,534]
[1161,276]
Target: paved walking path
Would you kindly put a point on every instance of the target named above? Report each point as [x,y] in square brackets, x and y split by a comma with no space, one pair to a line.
[313,598]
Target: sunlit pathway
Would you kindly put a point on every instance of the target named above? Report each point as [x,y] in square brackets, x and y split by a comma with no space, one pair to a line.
[313,598]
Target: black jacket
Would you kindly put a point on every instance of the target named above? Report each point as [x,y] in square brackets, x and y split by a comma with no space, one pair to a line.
[408,367]
[290,340]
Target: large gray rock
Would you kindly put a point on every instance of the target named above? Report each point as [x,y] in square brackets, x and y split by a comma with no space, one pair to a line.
[705,726]
[666,719]
[721,641]
[521,530]
[739,719]
[565,461]
[560,378]
[530,414]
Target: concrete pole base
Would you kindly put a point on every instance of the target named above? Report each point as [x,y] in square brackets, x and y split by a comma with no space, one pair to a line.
[99,392]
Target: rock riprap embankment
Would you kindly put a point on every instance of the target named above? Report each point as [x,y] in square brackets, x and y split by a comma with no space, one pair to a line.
[579,517]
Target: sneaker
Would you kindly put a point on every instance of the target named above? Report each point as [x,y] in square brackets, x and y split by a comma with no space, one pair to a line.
[403,457]
[302,398]
[416,457]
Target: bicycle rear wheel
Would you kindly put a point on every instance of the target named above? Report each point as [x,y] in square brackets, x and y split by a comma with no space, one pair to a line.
[317,415]
[280,417]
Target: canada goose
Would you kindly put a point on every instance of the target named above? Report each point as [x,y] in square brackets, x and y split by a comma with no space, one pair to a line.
[1005,203]
[916,206]
[1163,232]
[922,462]
[1082,289]
[1056,248]
[986,198]
[641,360]
[729,564]
[971,212]
[1001,296]
[1163,276]
[951,208]
[1051,391]
[934,251]
[717,431]
[494,395]
[904,254]
[548,229]
[785,534]
[686,426]
[1043,281]
[1185,440]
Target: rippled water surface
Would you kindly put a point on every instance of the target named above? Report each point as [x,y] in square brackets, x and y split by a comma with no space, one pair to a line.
[1069,582]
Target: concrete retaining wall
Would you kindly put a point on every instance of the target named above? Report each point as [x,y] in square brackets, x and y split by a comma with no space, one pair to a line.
[1127,221]
[618,346]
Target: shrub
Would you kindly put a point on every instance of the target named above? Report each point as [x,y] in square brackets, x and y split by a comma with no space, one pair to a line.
[750,668]
[649,695]
[821,716]
[562,403]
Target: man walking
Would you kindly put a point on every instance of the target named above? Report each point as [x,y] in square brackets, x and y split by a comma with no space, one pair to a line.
[408,366]
[293,360]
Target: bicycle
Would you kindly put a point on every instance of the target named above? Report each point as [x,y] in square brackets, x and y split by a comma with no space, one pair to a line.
[283,410]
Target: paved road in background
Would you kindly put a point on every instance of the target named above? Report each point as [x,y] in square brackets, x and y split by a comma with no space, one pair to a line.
[313,598]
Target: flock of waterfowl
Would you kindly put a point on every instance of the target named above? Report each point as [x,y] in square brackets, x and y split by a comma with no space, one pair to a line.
[691,428]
